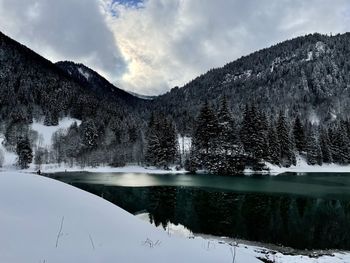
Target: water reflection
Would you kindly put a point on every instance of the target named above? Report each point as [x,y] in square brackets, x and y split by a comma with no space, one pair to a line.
[290,220]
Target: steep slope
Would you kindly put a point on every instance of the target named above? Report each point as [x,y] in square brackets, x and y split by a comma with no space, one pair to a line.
[307,75]
[33,87]
[90,79]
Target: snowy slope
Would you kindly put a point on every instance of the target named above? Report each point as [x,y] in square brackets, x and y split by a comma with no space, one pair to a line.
[45,133]
[43,220]
[303,167]
[10,158]
[93,230]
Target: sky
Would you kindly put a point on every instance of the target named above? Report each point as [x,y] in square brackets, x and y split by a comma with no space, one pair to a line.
[151,46]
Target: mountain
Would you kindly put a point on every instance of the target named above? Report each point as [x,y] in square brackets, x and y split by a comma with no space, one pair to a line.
[94,82]
[34,90]
[307,76]
[31,87]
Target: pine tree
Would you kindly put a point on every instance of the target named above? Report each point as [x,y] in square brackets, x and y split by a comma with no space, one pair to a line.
[325,147]
[254,133]
[24,152]
[286,145]
[299,135]
[313,150]
[274,149]
[206,130]
[225,127]
[339,144]
[162,142]
[247,130]
[89,134]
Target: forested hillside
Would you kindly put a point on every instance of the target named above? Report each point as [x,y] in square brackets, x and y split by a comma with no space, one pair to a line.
[32,89]
[286,101]
[307,76]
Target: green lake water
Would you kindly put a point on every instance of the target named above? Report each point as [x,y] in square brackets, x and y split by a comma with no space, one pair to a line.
[309,211]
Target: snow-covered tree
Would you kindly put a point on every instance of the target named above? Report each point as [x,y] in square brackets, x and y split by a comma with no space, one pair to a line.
[285,142]
[299,135]
[24,152]
[313,150]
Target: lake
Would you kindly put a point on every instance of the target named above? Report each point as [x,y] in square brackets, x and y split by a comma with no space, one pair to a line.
[308,211]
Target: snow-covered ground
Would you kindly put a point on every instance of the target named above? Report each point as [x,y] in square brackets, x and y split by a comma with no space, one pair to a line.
[43,220]
[53,168]
[303,167]
[45,133]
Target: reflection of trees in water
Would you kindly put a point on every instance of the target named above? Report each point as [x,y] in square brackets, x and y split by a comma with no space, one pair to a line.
[162,203]
[288,220]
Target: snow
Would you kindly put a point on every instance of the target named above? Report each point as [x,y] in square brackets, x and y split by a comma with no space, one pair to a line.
[303,167]
[320,47]
[309,56]
[185,143]
[10,158]
[45,133]
[34,208]
[84,73]
[314,119]
[170,229]
[43,220]
[54,168]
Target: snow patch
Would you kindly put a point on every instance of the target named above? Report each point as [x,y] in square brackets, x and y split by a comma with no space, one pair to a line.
[303,167]
[309,56]
[84,73]
[10,158]
[45,133]
[314,119]
[229,77]
[185,143]
[55,167]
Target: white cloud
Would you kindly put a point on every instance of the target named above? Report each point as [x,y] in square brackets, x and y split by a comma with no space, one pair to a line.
[63,30]
[163,43]
[167,43]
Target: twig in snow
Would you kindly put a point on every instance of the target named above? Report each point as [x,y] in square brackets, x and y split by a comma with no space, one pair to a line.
[59,232]
[233,251]
[150,243]
[92,242]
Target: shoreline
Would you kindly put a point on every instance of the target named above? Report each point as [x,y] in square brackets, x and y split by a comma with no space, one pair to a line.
[273,170]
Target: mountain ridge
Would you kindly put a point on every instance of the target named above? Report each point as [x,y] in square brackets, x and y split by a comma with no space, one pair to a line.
[306,76]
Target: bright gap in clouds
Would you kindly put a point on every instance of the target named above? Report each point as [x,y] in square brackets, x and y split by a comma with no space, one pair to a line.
[153,45]
[168,43]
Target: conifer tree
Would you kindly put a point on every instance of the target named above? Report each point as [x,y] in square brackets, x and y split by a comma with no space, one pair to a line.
[254,133]
[339,144]
[161,142]
[24,152]
[299,135]
[286,145]
[225,127]
[89,134]
[206,130]
[274,149]
[325,147]
[313,150]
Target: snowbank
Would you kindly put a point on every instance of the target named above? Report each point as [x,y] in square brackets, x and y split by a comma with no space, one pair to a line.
[54,168]
[10,158]
[303,167]
[43,220]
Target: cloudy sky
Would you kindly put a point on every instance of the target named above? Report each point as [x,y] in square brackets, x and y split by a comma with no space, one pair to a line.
[150,46]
